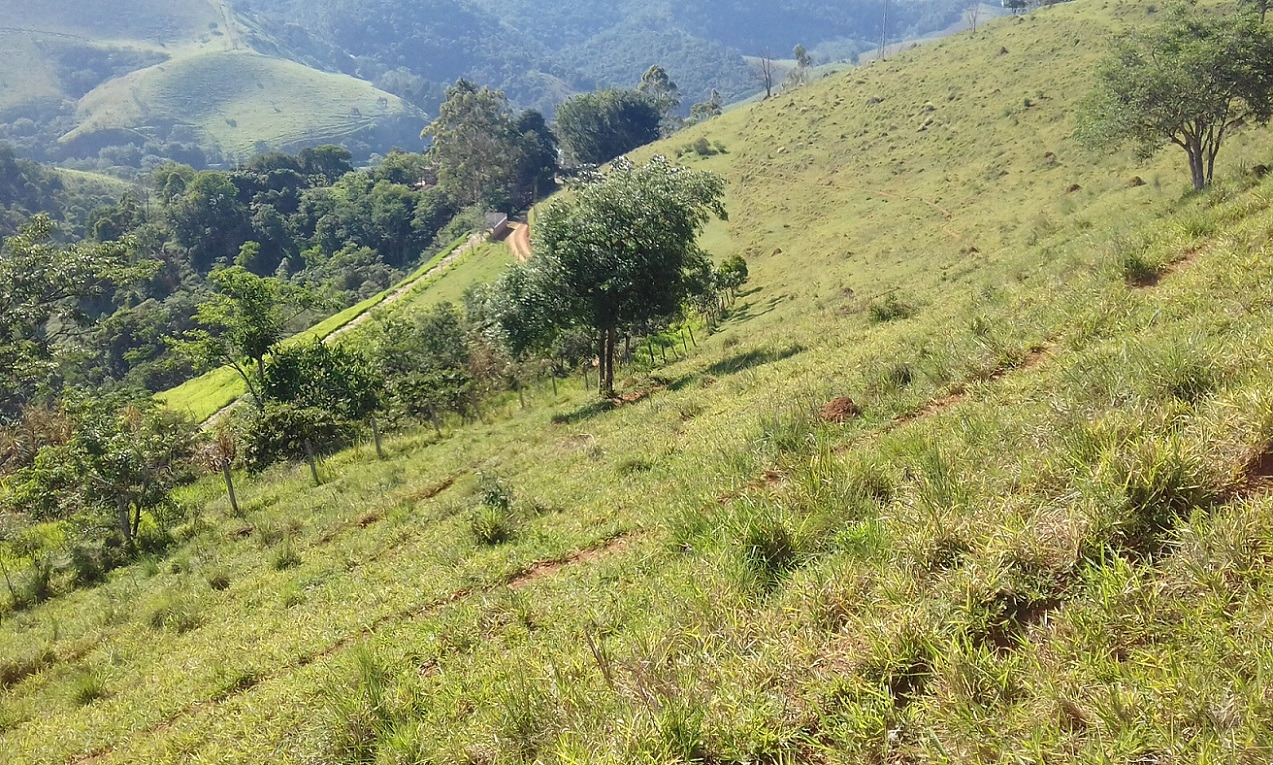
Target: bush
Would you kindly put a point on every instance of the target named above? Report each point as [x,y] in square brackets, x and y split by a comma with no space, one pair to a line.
[280,433]
[87,566]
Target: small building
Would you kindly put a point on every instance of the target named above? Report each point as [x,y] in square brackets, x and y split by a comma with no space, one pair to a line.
[497,224]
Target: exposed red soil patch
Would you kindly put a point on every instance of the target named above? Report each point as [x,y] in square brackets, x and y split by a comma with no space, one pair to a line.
[518,239]
[930,408]
[429,492]
[540,570]
[840,410]
[1258,473]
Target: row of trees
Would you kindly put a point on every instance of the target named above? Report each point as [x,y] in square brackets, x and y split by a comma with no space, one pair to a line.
[489,154]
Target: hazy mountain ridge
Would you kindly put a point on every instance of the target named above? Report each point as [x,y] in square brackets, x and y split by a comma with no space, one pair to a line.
[120,83]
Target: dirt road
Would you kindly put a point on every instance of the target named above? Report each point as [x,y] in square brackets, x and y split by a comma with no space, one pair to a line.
[519,241]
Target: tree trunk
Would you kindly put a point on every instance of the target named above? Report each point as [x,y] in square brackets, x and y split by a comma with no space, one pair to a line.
[611,346]
[375,435]
[121,511]
[521,397]
[313,463]
[553,377]
[229,487]
[1197,170]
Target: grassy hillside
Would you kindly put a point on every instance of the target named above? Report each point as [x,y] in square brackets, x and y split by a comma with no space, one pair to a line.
[237,101]
[1045,538]
[141,71]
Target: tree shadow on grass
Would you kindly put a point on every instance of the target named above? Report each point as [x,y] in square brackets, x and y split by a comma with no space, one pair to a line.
[585,412]
[752,359]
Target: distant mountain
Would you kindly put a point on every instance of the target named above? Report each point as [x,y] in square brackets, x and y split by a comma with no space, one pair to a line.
[105,83]
[540,50]
[128,82]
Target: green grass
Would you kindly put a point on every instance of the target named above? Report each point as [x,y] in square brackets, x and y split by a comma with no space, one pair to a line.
[482,265]
[1043,539]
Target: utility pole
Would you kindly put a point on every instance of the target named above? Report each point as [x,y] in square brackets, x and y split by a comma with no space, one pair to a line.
[884,31]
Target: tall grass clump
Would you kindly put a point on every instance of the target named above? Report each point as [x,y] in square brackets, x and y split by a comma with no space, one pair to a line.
[362,707]
[890,308]
[494,521]
[174,613]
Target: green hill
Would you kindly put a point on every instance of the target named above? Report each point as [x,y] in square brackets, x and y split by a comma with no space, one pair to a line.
[1044,537]
[157,75]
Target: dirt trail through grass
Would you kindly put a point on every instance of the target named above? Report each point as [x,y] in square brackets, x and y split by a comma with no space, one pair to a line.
[519,241]
[521,579]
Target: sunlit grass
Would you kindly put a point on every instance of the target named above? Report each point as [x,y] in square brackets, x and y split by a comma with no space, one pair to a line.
[1044,536]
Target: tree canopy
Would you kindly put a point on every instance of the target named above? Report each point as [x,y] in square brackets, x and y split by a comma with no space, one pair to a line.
[42,289]
[620,253]
[1189,82]
[597,127]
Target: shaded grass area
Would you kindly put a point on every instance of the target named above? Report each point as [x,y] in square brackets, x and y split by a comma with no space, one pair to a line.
[1045,537]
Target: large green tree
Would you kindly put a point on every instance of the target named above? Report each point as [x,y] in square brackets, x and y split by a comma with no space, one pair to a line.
[484,153]
[43,287]
[242,322]
[1190,82]
[617,254]
[596,127]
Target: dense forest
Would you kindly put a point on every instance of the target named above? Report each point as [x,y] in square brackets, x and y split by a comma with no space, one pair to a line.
[308,220]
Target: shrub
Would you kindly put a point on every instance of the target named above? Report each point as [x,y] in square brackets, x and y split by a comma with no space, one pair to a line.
[280,433]
[87,566]
[891,308]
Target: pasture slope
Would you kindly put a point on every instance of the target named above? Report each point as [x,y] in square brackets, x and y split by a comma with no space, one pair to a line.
[1042,533]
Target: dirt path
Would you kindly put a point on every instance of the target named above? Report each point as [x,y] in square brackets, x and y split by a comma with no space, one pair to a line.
[519,241]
